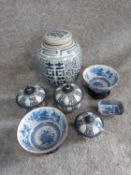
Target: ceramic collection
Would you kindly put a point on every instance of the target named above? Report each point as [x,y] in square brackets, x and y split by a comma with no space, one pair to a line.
[43,129]
[60,57]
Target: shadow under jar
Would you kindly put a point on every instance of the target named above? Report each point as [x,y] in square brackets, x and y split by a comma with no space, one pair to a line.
[59,57]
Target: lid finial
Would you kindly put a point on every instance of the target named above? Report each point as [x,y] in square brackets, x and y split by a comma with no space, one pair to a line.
[29,90]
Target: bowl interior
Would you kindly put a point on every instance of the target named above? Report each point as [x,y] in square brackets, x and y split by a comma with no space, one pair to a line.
[100,76]
[42,130]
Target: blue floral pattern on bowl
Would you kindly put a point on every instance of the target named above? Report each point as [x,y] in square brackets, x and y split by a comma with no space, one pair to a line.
[42,130]
[100,78]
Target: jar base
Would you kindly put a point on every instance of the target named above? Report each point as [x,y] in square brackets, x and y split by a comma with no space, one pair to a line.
[98,95]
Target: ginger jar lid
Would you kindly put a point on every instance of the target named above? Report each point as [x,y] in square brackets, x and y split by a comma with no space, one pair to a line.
[88,124]
[57,37]
[68,95]
[30,97]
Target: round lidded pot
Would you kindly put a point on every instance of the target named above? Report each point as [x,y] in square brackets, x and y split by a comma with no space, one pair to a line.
[68,97]
[31,97]
[88,124]
[60,57]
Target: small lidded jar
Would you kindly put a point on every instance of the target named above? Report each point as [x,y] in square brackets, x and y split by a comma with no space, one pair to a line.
[68,97]
[88,124]
[31,97]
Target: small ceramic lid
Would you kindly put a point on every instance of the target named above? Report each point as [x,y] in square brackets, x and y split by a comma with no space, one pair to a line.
[68,95]
[57,37]
[88,124]
[30,97]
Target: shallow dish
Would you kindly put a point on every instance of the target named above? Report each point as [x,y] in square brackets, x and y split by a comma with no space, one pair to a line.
[100,79]
[110,107]
[42,130]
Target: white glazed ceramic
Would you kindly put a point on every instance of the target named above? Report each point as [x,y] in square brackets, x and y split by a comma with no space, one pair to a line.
[42,130]
[60,57]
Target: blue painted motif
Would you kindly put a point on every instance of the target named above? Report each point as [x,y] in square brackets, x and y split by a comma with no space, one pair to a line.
[99,71]
[55,72]
[47,137]
[25,136]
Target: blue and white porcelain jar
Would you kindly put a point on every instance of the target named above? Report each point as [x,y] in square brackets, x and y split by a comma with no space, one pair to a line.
[60,57]
[68,97]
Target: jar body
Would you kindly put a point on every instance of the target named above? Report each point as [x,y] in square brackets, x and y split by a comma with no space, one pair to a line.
[68,109]
[60,65]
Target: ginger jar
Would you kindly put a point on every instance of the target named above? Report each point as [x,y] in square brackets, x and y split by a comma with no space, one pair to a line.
[59,57]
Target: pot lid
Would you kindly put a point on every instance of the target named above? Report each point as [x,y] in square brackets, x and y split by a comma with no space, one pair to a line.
[30,97]
[58,37]
[88,124]
[68,95]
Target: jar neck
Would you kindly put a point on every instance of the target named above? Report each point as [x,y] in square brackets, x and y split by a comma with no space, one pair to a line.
[63,46]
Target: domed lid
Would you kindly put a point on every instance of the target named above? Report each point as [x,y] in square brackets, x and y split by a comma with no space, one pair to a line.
[88,124]
[30,97]
[57,37]
[68,95]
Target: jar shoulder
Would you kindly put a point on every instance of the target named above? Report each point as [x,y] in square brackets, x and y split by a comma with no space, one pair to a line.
[59,53]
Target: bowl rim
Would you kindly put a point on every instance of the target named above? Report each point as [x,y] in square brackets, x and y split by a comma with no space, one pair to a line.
[54,147]
[104,66]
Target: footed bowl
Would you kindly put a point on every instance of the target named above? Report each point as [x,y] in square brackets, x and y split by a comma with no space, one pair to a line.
[100,79]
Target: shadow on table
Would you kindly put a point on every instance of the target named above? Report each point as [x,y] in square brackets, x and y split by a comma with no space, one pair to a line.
[10,151]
